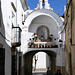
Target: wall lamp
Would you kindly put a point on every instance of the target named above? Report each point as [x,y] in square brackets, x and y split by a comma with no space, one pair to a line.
[23,22]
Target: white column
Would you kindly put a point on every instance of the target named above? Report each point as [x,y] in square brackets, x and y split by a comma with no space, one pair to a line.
[47,6]
[40,4]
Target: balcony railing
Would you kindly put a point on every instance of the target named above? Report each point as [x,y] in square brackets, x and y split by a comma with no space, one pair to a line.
[42,45]
[16,37]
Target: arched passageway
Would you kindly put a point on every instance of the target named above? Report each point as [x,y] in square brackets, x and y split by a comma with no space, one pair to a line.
[28,61]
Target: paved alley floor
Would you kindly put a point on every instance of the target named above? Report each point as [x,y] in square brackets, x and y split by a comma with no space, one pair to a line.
[39,73]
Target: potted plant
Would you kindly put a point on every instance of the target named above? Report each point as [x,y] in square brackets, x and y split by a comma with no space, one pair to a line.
[52,45]
[39,46]
[49,46]
[54,38]
[29,45]
[32,45]
[55,46]
[45,45]
[36,45]
[42,46]
[50,38]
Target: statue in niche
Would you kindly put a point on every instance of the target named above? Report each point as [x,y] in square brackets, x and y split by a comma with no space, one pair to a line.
[42,35]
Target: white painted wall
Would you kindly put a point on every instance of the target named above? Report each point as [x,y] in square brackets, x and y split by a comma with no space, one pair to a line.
[48,61]
[60,59]
[5,29]
[24,41]
[53,29]
[46,18]
[45,21]
[41,62]
[6,32]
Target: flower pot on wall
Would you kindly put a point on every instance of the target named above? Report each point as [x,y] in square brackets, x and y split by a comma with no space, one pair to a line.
[45,45]
[56,46]
[39,46]
[29,46]
[32,46]
[49,46]
[36,46]
[42,46]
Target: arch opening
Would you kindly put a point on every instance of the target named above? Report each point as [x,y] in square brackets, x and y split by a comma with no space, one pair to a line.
[30,56]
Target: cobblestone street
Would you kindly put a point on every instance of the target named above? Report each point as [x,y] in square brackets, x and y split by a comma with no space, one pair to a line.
[39,73]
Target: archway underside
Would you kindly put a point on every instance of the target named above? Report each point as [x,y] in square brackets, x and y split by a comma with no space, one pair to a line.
[28,61]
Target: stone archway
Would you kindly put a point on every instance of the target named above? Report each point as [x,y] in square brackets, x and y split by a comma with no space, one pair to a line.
[45,33]
[28,61]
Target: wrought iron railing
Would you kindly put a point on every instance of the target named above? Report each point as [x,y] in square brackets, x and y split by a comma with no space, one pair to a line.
[16,36]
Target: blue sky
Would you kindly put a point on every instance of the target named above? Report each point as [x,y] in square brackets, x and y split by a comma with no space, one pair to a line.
[57,5]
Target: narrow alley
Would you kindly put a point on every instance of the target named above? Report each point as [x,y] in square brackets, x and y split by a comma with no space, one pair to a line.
[37,37]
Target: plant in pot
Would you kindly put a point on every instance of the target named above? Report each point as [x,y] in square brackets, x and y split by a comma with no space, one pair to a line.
[49,45]
[56,46]
[42,46]
[29,45]
[52,45]
[32,45]
[46,46]
[50,39]
[54,38]
[39,46]
[36,45]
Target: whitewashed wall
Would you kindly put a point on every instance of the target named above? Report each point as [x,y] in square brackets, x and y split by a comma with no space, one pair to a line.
[53,29]
[45,21]
[38,21]
[6,32]
[41,62]
[45,18]
[6,27]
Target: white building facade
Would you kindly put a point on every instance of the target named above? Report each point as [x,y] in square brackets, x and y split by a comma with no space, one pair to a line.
[11,17]
[24,33]
[42,33]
